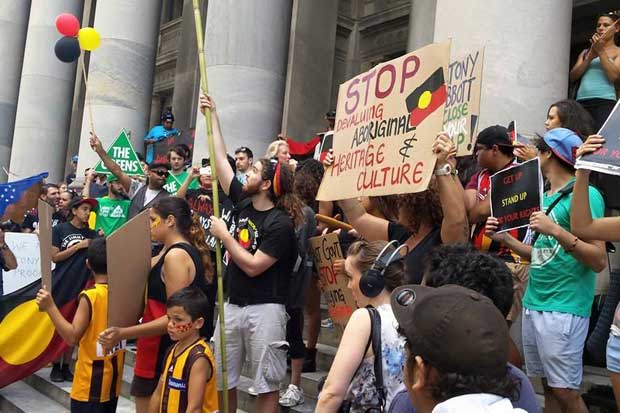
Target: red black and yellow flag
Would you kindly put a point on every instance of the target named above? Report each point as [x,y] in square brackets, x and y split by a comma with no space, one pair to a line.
[28,341]
[426,98]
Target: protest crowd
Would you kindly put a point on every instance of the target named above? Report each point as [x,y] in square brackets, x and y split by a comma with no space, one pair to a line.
[424,288]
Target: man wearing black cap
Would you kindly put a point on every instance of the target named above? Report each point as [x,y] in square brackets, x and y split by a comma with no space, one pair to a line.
[159,132]
[456,350]
[494,152]
[142,195]
[67,239]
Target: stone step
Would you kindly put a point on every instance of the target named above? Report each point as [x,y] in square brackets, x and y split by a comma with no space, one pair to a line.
[18,397]
[246,401]
[60,392]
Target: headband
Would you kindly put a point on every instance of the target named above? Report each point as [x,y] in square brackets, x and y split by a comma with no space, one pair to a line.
[277,181]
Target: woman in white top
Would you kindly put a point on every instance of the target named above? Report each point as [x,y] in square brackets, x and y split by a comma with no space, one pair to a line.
[351,377]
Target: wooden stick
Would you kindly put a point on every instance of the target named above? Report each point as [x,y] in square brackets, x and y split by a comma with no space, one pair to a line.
[216,203]
[333,223]
[87,100]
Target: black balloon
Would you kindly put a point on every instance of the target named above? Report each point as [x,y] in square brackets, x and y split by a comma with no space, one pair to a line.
[67,49]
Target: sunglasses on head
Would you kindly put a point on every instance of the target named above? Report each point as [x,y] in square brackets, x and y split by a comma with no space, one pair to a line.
[163,174]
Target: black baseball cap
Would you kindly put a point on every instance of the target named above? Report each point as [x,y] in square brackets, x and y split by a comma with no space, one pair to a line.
[494,135]
[453,328]
[157,164]
[331,114]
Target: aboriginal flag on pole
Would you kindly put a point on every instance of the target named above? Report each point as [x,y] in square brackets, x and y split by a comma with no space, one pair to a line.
[28,341]
[427,97]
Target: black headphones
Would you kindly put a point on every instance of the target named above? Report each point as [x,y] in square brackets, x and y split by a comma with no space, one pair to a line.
[372,281]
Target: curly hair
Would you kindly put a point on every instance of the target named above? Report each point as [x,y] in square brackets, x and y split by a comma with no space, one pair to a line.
[308,177]
[288,201]
[462,264]
[366,253]
[573,116]
[421,207]
[386,204]
[188,224]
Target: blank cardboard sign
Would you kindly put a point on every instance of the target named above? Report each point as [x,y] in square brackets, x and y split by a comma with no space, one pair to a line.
[129,264]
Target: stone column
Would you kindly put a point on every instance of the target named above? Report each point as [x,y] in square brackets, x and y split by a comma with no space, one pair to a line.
[421,23]
[120,76]
[526,60]
[45,95]
[246,46]
[310,67]
[13,27]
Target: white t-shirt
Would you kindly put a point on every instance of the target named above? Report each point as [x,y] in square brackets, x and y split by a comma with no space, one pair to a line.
[148,196]
[479,403]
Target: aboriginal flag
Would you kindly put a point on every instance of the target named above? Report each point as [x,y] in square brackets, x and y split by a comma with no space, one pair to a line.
[28,341]
[426,98]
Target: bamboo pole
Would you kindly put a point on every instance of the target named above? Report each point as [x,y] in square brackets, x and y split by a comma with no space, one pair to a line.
[216,204]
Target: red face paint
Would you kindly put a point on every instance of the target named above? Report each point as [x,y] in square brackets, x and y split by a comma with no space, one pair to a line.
[182,328]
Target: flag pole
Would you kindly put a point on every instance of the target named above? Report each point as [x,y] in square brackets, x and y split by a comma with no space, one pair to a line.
[216,203]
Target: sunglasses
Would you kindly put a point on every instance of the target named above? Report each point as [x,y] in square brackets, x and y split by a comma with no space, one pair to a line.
[163,174]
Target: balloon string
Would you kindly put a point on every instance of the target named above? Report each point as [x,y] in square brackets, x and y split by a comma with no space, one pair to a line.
[87,96]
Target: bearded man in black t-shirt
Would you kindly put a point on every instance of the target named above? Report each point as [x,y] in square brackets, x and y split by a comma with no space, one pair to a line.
[263,252]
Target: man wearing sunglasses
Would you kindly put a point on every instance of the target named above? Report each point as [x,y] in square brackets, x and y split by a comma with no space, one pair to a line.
[142,195]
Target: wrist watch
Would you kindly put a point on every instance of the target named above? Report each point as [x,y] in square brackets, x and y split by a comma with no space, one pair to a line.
[4,247]
[445,170]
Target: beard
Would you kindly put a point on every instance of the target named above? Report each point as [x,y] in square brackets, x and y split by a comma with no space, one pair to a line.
[251,189]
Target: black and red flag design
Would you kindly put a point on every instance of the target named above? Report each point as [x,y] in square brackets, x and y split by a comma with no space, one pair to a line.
[28,340]
[427,97]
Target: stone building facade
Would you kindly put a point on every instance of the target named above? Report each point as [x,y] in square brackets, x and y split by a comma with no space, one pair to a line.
[273,65]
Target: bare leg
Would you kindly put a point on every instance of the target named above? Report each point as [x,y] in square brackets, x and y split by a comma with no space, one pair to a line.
[267,402]
[142,404]
[232,400]
[570,400]
[552,404]
[313,312]
[615,383]
[514,355]
[296,365]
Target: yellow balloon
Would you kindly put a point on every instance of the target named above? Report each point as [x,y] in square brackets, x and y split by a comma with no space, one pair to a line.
[89,39]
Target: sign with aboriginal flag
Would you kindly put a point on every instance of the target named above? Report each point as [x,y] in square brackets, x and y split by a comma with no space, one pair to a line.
[28,340]
[607,159]
[386,121]
[462,110]
[516,193]
[326,251]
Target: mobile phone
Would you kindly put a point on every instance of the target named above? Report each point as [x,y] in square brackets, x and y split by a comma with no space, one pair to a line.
[205,162]
[205,170]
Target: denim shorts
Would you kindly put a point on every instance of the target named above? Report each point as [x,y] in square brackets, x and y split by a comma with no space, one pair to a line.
[553,346]
[613,353]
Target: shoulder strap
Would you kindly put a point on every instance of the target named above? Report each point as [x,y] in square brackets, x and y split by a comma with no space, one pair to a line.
[563,192]
[375,335]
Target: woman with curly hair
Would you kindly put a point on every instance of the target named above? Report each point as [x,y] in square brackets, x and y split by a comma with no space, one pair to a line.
[184,261]
[425,219]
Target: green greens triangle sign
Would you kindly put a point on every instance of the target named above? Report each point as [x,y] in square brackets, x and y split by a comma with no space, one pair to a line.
[172,184]
[123,154]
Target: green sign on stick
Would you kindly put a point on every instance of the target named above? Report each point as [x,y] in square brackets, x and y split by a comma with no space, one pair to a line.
[123,154]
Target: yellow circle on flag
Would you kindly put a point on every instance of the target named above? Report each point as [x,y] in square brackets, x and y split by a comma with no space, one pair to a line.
[26,333]
[244,235]
[425,99]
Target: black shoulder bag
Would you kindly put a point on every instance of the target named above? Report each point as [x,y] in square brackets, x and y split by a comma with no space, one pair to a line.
[563,192]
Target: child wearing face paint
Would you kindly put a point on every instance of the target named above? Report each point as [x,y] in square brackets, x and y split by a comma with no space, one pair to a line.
[97,378]
[189,363]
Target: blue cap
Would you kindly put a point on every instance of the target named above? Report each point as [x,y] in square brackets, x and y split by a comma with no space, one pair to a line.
[563,143]
[74,158]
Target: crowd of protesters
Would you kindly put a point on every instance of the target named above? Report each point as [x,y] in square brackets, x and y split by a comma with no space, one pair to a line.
[437,288]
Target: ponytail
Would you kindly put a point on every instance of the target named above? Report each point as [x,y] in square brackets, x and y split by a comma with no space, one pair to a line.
[197,237]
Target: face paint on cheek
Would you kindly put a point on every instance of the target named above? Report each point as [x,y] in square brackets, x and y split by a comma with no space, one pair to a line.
[155,222]
[183,328]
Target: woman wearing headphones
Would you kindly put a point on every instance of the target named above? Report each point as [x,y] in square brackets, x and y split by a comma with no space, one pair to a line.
[374,270]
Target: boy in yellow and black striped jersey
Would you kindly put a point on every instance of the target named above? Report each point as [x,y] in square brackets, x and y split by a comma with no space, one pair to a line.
[187,383]
[97,377]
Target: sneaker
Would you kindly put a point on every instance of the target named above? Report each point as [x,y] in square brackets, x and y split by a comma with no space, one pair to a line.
[293,396]
[252,391]
[309,361]
[56,374]
[66,373]
[327,323]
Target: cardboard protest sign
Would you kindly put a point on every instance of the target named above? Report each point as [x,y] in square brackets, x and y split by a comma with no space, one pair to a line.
[123,154]
[45,211]
[607,159]
[516,193]
[129,264]
[462,111]
[160,148]
[25,247]
[386,121]
[326,250]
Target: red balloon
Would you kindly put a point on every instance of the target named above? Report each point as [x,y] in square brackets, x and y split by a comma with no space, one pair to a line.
[67,24]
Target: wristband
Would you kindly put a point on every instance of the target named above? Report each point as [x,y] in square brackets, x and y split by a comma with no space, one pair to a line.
[572,247]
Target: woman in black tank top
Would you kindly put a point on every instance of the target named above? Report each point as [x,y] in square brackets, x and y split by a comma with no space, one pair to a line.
[184,261]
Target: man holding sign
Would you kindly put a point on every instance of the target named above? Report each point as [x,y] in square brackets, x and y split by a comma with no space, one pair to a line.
[560,291]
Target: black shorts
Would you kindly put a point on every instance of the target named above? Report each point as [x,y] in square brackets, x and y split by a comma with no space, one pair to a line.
[141,387]
[294,333]
[93,407]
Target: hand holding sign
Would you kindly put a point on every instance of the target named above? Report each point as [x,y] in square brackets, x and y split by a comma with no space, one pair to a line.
[591,145]
[542,224]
